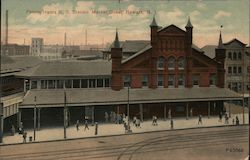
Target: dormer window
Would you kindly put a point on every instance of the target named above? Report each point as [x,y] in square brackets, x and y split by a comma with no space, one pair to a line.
[171,63]
[160,63]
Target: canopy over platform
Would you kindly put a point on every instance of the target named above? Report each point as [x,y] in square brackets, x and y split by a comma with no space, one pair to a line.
[88,97]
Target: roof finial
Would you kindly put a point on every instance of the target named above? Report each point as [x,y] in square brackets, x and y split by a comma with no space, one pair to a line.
[189,24]
[116,43]
[153,23]
[220,44]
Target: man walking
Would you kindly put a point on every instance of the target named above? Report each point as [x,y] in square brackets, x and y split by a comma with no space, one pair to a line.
[96,128]
[24,137]
[106,116]
[200,120]
[77,125]
[86,125]
[172,123]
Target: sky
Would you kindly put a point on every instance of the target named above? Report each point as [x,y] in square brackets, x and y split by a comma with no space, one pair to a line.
[50,19]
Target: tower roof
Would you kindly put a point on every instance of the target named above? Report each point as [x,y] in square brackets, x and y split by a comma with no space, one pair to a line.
[153,23]
[116,42]
[220,44]
[189,24]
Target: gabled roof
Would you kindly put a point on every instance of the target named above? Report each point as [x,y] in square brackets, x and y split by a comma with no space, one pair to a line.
[138,53]
[235,40]
[209,50]
[171,26]
[18,63]
[69,69]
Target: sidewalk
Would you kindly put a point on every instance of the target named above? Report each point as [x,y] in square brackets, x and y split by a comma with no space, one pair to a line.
[49,134]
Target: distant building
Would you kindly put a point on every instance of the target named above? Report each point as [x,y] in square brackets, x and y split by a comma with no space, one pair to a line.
[36,46]
[237,64]
[15,50]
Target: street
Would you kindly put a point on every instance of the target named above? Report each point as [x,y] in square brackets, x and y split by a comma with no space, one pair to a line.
[227,143]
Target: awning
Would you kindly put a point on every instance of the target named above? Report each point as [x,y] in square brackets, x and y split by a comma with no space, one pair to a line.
[106,96]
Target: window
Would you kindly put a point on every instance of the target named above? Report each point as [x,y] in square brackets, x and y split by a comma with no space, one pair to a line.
[145,80]
[160,80]
[33,84]
[126,80]
[248,69]
[76,83]
[44,84]
[196,80]
[171,63]
[84,83]
[229,70]
[160,63]
[212,80]
[181,63]
[107,82]
[239,70]
[239,56]
[234,70]
[59,84]
[170,80]
[234,56]
[229,55]
[239,86]
[99,82]
[68,83]
[51,84]
[92,83]
[181,80]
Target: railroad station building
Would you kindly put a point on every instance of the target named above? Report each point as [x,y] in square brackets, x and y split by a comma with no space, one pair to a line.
[169,76]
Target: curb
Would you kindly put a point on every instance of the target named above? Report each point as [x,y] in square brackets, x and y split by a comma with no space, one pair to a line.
[112,135]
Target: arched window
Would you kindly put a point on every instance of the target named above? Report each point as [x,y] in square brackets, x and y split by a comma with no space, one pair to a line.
[229,55]
[181,63]
[239,55]
[160,62]
[234,56]
[171,63]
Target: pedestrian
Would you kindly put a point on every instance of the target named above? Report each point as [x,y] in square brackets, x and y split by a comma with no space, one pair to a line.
[13,130]
[237,121]
[21,130]
[233,121]
[226,119]
[134,120]
[114,117]
[200,120]
[191,112]
[96,128]
[24,137]
[77,125]
[156,121]
[169,114]
[86,125]
[138,123]
[172,123]
[106,116]
[111,117]
[220,117]
[153,120]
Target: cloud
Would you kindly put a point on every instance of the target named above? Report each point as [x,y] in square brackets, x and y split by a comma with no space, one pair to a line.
[221,14]
[201,6]
[175,16]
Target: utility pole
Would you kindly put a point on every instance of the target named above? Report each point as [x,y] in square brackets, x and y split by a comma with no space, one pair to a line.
[64,115]
[128,129]
[1,122]
[35,119]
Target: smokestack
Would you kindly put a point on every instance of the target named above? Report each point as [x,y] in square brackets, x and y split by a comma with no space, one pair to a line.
[6,36]
[65,39]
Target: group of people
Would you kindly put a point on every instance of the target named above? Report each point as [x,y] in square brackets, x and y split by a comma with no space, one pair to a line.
[113,117]
[235,121]
[86,124]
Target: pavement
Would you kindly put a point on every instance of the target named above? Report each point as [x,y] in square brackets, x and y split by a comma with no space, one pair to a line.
[109,129]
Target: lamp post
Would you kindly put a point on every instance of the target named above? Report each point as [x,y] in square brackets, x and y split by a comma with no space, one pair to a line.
[64,116]
[128,129]
[1,122]
[35,119]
